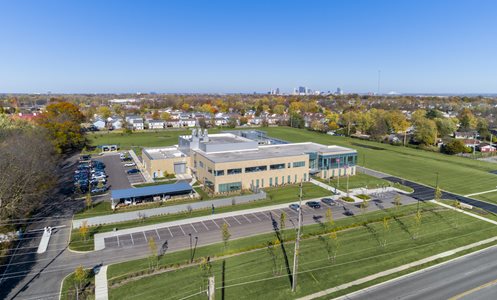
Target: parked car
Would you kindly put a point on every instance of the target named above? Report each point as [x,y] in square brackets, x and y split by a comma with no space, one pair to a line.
[98,190]
[313,204]
[132,164]
[329,201]
[294,206]
[98,175]
[133,171]
[84,158]
[348,212]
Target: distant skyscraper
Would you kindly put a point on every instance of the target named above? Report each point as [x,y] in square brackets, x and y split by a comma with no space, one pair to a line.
[301,90]
[339,91]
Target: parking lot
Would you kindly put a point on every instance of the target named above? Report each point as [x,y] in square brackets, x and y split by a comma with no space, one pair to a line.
[257,222]
[117,172]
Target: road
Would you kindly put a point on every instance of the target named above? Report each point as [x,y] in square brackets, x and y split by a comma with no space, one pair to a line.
[470,277]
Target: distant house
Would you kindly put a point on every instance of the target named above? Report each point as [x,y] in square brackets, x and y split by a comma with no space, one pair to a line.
[26,117]
[465,134]
[485,147]
[220,121]
[156,124]
[137,124]
[473,143]
[99,124]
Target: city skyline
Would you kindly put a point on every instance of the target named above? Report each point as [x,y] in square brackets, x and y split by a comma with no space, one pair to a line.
[222,47]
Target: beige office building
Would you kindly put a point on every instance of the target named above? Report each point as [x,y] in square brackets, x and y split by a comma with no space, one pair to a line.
[228,162]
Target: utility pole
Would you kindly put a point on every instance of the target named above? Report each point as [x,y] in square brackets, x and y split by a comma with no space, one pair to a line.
[211,288]
[297,244]
[338,178]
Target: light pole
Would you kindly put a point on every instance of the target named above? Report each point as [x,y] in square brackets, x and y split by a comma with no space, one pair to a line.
[297,244]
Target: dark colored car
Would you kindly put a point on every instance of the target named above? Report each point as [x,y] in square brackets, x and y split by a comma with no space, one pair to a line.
[84,157]
[313,204]
[329,201]
[348,212]
[133,171]
[294,206]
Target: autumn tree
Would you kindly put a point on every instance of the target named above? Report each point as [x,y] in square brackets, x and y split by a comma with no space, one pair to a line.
[279,109]
[165,116]
[80,275]
[104,111]
[426,132]
[62,120]
[330,222]
[153,253]
[84,230]
[467,119]
[445,127]
[225,234]
[88,201]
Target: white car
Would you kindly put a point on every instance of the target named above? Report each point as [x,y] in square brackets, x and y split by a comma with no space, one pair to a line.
[98,176]
[129,164]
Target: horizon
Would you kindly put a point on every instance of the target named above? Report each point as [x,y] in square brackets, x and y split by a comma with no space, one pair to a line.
[192,47]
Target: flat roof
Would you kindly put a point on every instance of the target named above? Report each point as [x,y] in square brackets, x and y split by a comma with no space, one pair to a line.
[272,151]
[162,153]
[220,138]
[181,187]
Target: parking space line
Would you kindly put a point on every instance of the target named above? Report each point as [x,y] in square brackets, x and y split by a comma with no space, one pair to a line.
[193,228]
[182,229]
[237,220]
[247,218]
[204,225]
[170,232]
[132,238]
[215,224]
[118,245]
[157,233]
[229,225]
[256,217]
[146,240]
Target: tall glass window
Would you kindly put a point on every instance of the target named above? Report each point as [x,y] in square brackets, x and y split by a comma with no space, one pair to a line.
[277,166]
[230,187]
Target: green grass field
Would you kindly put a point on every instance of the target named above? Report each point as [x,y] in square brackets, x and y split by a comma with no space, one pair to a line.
[284,194]
[361,251]
[456,174]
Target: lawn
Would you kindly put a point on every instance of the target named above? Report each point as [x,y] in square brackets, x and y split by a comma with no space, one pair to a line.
[456,174]
[362,250]
[86,288]
[278,195]
[489,197]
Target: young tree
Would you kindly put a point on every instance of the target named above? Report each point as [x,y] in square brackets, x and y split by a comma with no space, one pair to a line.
[386,230]
[271,250]
[80,275]
[154,254]
[225,235]
[88,201]
[364,206]
[417,220]
[335,244]
[438,194]
[330,222]
[205,269]
[396,201]
[84,230]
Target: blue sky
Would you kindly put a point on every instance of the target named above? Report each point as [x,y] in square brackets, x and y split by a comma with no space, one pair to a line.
[246,46]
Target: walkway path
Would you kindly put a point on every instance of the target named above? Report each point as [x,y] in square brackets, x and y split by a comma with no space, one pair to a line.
[101,288]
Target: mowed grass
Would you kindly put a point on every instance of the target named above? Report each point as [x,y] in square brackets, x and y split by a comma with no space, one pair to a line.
[456,174]
[361,251]
[489,197]
[284,194]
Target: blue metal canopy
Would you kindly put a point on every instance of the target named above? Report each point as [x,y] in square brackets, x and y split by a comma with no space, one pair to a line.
[176,188]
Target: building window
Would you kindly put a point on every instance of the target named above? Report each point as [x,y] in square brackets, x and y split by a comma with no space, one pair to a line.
[289,165]
[230,187]
[195,164]
[262,182]
[271,181]
[234,171]
[209,170]
[295,178]
[288,179]
[277,166]
[299,164]
[201,164]
[282,179]
[255,169]
[219,173]
[276,180]
[305,176]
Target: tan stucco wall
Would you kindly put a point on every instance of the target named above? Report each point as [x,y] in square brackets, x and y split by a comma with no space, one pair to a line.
[247,179]
[159,166]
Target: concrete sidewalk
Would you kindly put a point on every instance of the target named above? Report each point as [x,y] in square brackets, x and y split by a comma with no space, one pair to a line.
[396,270]
[99,238]
[101,288]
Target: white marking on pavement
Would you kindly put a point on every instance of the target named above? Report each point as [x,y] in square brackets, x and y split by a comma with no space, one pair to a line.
[131,235]
[247,218]
[229,225]
[157,233]
[215,224]
[193,227]
[146,240]
[170,232]
[118,245]
[256,217]
[204,225]
[237,220]
[182,229]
